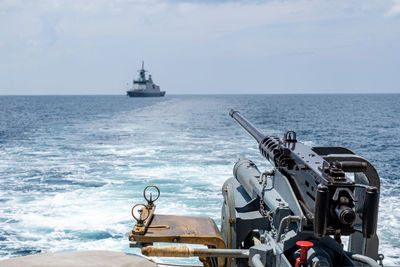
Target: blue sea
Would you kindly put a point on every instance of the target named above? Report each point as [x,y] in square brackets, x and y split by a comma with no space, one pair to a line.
[72,167]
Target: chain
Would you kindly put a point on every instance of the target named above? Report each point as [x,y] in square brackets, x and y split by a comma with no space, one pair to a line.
[262,208]
[264,213]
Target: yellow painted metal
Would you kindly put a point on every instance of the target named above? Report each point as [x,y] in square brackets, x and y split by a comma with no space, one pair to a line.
[140,229]
[180,229]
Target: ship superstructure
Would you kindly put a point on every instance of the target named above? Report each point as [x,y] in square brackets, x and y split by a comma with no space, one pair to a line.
[143,87]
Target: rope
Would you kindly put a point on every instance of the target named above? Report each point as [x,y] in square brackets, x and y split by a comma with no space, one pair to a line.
[176,264]
[167,264]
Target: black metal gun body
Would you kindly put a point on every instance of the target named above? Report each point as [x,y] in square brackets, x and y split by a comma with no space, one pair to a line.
[311,197]
[329,199]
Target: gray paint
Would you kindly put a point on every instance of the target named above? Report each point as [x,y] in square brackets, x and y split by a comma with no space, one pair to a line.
[143,87]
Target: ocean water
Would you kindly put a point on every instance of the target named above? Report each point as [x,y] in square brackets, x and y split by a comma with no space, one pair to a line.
[71,167]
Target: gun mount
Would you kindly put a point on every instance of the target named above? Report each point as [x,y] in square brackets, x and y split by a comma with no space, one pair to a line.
[326,195]
[292,215]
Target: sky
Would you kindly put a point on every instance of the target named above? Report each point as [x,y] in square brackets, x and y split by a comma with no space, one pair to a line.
[70,47]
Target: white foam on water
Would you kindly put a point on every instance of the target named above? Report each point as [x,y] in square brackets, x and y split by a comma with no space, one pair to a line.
[75,189]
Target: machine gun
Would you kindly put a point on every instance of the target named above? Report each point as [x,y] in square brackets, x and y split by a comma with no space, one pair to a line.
[312,198]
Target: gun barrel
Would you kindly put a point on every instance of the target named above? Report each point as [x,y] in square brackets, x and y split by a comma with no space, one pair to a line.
[248,126]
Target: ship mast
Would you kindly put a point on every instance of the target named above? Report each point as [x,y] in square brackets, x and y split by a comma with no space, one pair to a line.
[142,73]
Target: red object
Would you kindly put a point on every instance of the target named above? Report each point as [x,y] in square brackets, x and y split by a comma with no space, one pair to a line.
[304,246]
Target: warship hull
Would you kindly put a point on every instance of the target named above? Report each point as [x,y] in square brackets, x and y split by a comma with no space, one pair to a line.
[144,87]
[86,258]
[145,94]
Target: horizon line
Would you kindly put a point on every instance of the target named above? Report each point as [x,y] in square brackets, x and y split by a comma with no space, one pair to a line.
[374,93]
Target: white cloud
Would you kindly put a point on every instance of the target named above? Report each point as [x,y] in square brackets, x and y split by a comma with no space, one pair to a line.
[75,36]
[32,42]
[394,10]
[194,19]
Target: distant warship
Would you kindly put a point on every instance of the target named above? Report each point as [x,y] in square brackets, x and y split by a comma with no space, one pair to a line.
[143,87]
